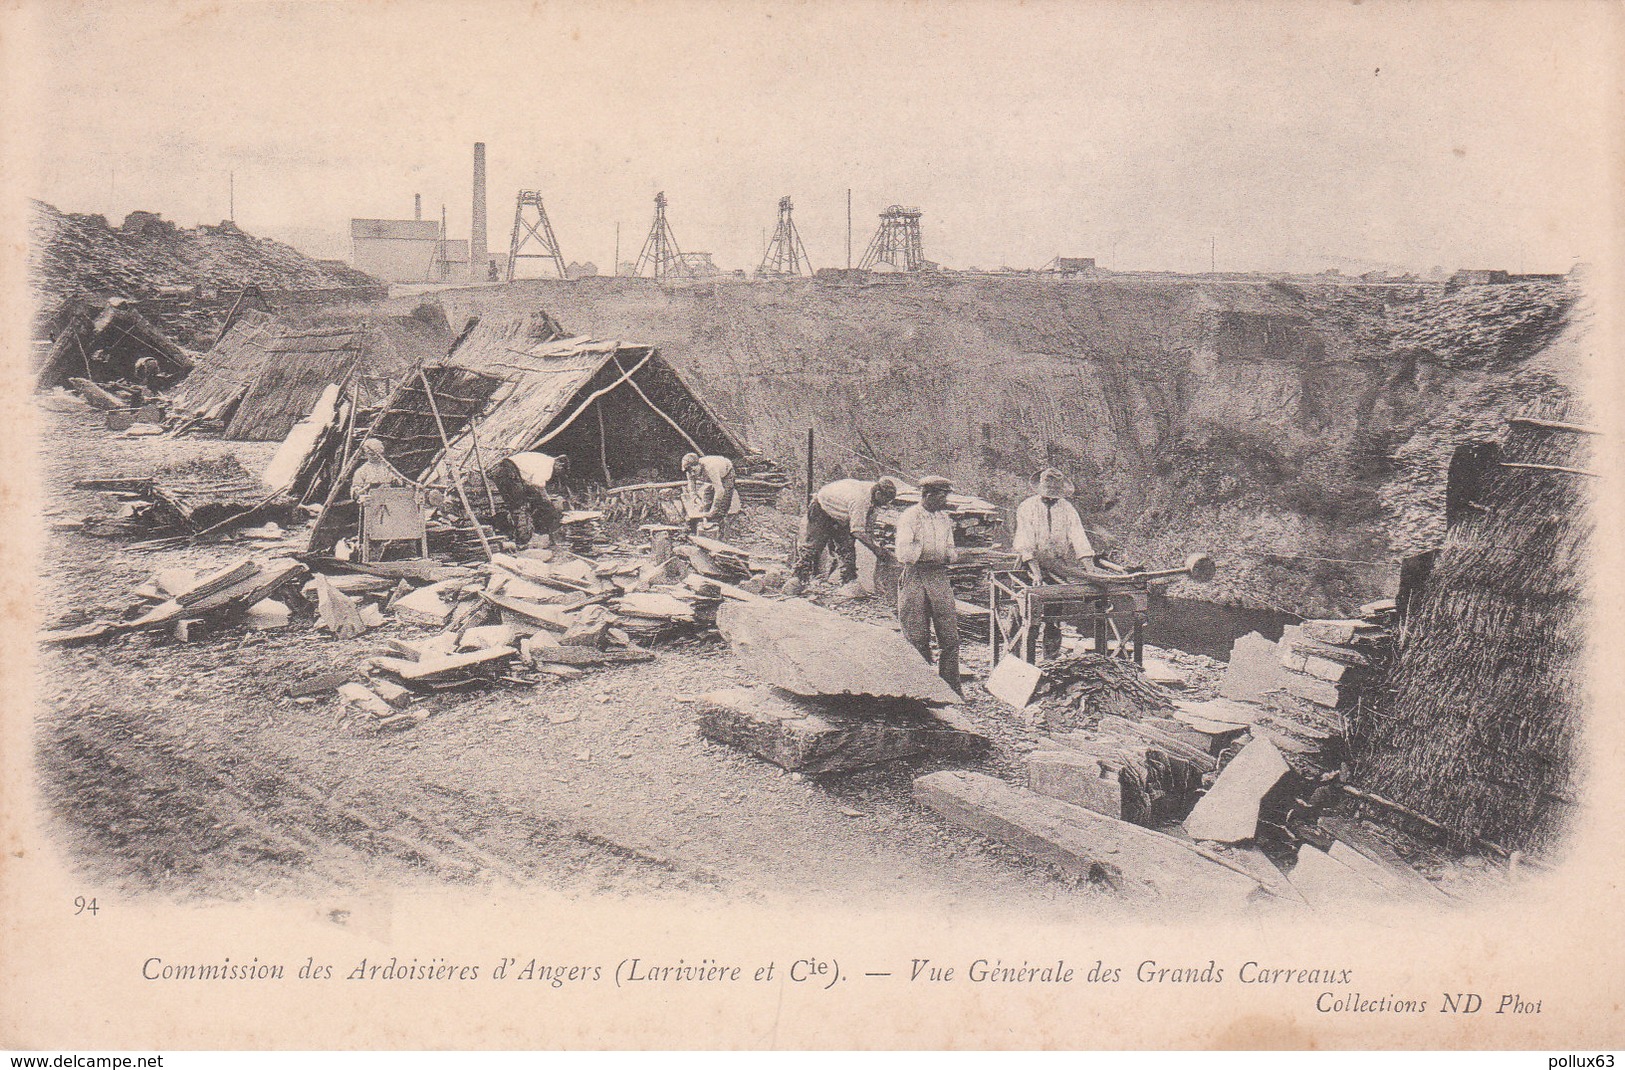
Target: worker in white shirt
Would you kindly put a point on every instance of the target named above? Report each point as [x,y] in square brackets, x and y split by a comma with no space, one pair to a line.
[1052,544]
[925,598]
[840,516]
[531,485]
[710,496]
[1050,539]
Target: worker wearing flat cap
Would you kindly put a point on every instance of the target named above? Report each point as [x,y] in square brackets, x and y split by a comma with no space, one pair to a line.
[710,496]
[840,516]
[925,598]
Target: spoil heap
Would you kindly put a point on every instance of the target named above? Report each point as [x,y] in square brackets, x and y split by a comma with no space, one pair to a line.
[185,280]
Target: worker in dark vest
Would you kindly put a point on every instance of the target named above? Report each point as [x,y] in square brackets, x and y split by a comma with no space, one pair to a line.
[925,598]
[531,485]
[840,516]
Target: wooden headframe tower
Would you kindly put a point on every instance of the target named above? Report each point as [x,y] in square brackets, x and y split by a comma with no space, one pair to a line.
[897,242]
[785,254]
[528,233]
[660,258]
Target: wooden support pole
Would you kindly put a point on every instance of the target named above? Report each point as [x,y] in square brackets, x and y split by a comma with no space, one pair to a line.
[1548,468]
[603,442]
[1552,425]
[456,477]
[810,457]
[695,446]
[558,428]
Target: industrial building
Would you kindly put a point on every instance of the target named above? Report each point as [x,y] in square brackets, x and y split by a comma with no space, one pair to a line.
[417,249]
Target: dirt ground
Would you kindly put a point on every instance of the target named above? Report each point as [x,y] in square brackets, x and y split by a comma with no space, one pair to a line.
[180,769]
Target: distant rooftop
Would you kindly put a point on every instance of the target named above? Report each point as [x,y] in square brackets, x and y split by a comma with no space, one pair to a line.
[419,229]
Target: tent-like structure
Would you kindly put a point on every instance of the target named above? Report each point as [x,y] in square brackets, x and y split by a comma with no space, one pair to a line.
[517,383]
[104,344]
[511,384]
[267,372]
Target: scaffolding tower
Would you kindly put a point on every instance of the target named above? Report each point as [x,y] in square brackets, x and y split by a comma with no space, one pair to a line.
[660,258]
[897,242]
[527,233]
[785,254]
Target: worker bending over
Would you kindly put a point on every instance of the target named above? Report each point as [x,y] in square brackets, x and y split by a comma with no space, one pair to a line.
[839,516]
[925,598]
[710,496]
[531,485]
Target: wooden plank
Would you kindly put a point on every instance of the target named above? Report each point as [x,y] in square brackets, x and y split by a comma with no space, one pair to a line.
[248,591]
[654,604]
[1228,812]
[1133,861]
[812,651]
[1340,632]
[218,580]
[554,617]
[1176,748]
[1217,715]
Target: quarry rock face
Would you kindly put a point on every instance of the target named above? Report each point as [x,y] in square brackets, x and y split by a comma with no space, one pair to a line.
[1246,417]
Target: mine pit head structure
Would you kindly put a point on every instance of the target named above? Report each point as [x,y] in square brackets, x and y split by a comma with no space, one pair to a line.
[661,258]
[896,243]
[533,238]
[785,254]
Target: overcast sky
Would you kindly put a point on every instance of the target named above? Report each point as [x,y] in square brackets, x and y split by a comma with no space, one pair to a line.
[1296,136]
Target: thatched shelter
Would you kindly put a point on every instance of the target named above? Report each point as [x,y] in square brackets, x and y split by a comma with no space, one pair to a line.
[267,371]
[105,343]
[517,383]
[620,412]
[1481,729]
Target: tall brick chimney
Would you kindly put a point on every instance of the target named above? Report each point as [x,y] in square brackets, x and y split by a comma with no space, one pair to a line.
[476,234]
[417,206]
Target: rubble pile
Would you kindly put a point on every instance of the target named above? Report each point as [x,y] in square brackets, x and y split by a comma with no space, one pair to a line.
[515,621]
[181,500]
[1079,689]
[184,280]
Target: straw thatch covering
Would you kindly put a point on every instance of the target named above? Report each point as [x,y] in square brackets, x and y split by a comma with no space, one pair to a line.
[1482,726]
[278,367]
[620,412]
[103,344]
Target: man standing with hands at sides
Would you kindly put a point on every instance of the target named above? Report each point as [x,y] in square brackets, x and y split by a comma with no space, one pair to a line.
[925,598]
[839,516]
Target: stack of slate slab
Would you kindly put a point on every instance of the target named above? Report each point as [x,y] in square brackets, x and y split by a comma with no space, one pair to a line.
[840,694]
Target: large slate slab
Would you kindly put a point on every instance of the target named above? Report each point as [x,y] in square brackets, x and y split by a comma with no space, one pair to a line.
[1136,862]
[808,650]
[808,737]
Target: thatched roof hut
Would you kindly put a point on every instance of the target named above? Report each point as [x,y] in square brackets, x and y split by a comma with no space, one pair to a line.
[1481,729]
[105,343]
[269,370]
[620,412]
